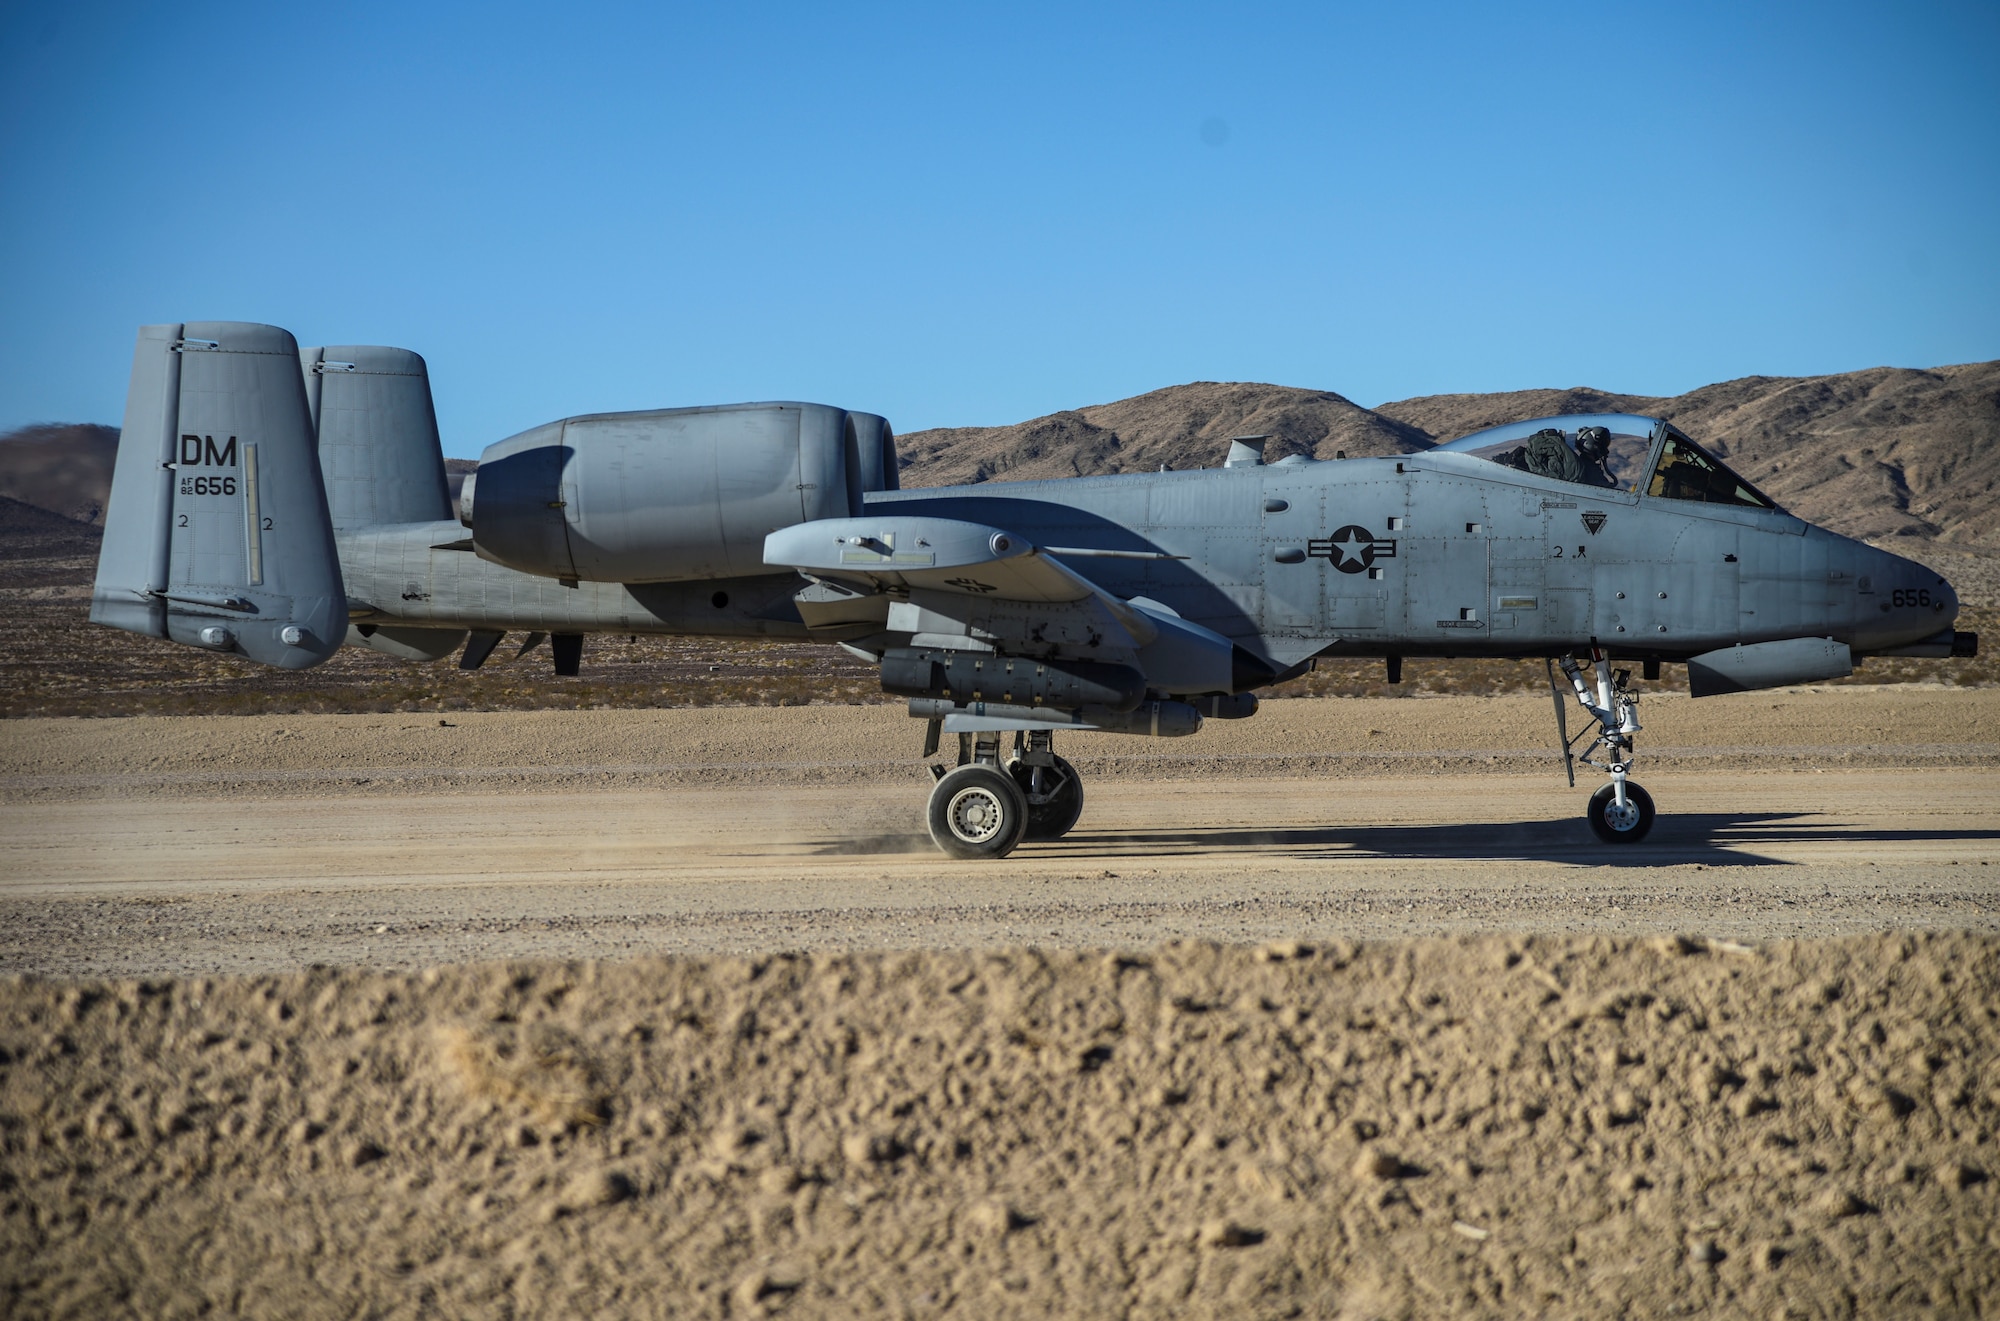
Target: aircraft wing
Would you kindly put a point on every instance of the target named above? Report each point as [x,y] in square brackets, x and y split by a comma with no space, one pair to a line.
[962,570]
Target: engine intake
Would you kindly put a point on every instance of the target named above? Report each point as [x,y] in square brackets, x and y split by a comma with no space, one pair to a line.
[672,495]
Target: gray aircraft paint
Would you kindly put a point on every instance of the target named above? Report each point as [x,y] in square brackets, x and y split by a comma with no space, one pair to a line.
[400,574]
[133,561]
[1129,602]
[1655,578]
[1439,554]
[1652,581]
[672,495]
[1410,597]
[380,461]
[1768,664]
[379,452]
[217,531]
[1428,587]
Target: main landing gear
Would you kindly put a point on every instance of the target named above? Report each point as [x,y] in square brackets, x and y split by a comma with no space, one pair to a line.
[1620,812]
[984,807]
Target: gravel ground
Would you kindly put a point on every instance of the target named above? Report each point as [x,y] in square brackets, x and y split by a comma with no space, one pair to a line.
[1339,1011]
[174,845]
[1502,1126]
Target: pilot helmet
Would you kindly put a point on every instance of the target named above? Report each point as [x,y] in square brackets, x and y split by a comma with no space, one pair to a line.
[1593,440]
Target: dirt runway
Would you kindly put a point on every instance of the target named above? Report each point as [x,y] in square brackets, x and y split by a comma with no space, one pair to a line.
[458,1078]
[265,844]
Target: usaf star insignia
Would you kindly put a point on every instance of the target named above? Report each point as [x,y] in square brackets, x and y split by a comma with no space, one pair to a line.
[1353,549]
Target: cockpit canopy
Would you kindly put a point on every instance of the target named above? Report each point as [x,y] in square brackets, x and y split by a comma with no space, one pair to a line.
[1615,452]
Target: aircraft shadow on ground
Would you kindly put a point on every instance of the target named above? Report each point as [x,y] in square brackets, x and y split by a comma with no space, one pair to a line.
[1713,839]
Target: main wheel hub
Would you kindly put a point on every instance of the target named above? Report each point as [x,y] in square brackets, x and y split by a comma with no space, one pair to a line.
[975,814]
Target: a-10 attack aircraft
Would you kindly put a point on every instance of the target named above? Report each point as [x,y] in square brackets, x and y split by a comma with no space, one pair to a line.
[278,503]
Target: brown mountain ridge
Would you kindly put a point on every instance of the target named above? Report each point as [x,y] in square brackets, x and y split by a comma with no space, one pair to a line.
[1185,426]
[64,468]
[1886,452]
[1876,453]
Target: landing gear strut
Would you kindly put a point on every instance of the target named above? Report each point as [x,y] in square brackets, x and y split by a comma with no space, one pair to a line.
[1051,785]
[1620,812]
[983,808]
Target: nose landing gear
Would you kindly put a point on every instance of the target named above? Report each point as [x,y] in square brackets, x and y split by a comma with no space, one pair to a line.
[1620,812]
[1621,823]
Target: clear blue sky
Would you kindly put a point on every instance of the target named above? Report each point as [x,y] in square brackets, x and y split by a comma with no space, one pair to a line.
[956,214]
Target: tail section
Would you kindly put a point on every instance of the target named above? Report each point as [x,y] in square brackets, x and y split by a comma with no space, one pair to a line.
[378,436]
[217,533]
[381,461]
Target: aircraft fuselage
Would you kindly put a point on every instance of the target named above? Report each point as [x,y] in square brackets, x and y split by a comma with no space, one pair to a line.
[1428,555]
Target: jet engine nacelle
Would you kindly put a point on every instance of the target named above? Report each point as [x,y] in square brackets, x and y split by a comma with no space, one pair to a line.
[673,495]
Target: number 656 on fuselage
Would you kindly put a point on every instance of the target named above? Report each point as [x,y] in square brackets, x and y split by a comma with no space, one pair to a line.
[280,503]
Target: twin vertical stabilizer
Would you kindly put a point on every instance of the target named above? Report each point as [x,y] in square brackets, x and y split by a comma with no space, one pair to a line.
[217,533]
[378,436]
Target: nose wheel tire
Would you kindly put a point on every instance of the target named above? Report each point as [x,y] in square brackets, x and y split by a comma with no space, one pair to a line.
[1061,804]
[977,812]
[1616,825]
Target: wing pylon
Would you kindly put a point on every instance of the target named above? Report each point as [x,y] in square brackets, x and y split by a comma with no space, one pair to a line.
[950,583]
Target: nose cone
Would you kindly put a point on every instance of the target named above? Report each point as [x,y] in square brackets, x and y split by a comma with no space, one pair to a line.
[1935,601]
[1912,603]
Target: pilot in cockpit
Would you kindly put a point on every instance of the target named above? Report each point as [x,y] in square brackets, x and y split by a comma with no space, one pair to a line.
[1593,449]
[1587,460]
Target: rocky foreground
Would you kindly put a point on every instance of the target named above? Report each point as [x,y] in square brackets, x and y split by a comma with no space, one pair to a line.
[1526,1125]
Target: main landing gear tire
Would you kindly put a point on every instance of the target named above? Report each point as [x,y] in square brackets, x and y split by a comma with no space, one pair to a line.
[1614,825]
[977,812]
[1056,815]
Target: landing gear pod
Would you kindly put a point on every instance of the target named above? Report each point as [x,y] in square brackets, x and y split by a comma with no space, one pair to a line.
[217,534]
[1744,669]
